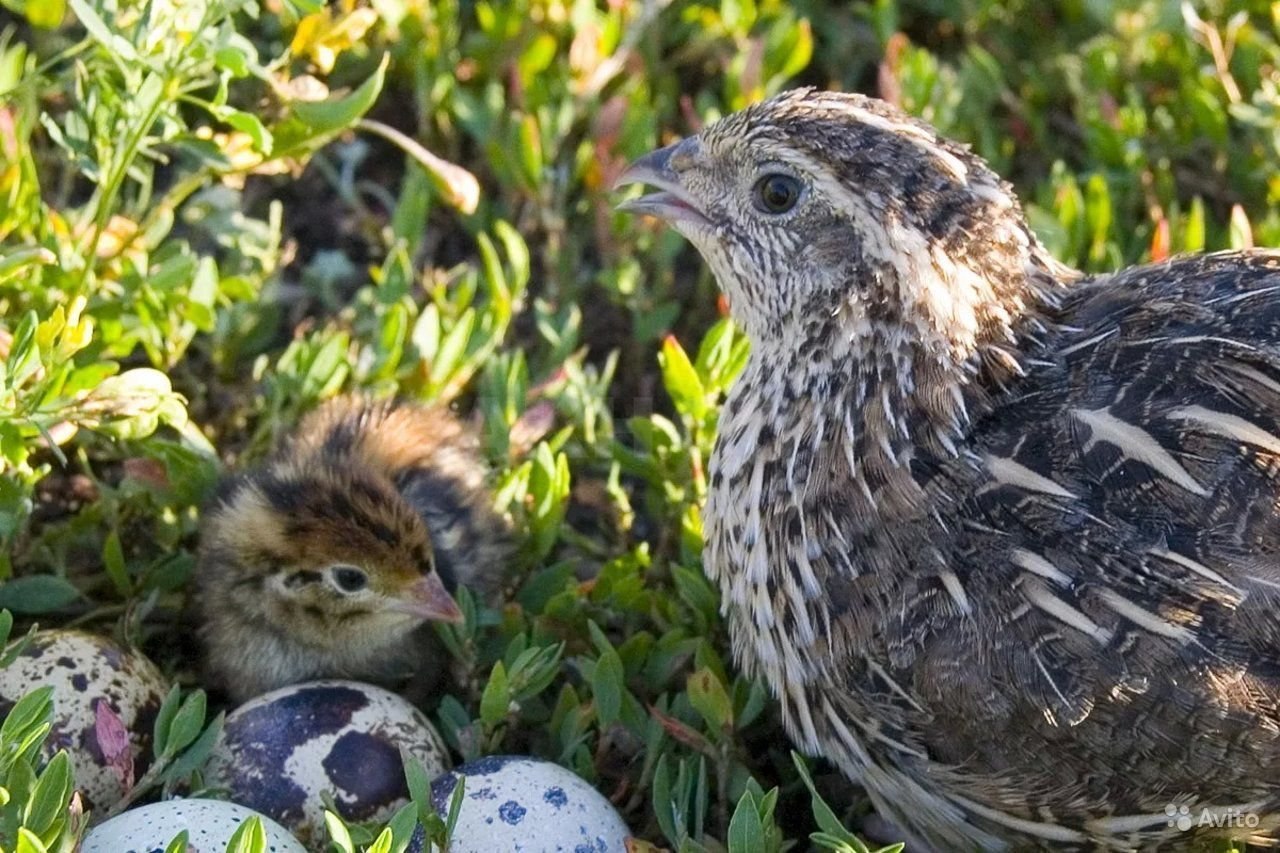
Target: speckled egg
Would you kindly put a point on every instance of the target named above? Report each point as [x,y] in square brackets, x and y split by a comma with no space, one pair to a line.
[280,751]
[209,825]
[102,694]
[515,803]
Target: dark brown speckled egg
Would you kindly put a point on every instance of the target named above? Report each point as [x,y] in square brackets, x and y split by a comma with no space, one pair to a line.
[100,689]
[279,752]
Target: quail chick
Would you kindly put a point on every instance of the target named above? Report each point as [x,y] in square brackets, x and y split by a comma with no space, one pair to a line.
[1002,539]
[332,558]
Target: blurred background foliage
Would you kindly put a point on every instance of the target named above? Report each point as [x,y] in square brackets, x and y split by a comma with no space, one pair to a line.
[215,213]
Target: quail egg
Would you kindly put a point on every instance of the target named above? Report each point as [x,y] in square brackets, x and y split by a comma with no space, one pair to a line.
[516,803]
[105,701]
[280,751]
[209,825]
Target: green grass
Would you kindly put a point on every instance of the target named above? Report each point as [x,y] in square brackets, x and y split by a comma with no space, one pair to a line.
[215,214]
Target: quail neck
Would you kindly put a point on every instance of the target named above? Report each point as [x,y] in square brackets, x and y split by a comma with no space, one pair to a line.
[1000,537]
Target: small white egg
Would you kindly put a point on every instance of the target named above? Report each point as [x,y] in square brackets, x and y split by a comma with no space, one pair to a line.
[86,670]
[209,825]
[280,751]
[516,803]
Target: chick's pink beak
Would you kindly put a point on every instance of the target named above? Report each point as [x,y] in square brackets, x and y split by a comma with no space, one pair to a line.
[427,598]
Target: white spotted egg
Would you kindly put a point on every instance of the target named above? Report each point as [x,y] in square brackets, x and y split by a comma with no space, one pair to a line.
[99,689]
[280,751]
[516,803]
[209,825]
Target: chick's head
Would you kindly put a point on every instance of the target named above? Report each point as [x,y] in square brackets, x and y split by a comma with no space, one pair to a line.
[327,555]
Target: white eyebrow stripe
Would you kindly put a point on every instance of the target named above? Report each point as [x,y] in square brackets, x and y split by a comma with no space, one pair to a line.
[1228,426]
[1039,595]
[1007,472]
[1137,444]
[1039,566]
[1143,618]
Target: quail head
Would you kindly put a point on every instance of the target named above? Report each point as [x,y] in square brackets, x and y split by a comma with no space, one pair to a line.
[332,557]
[1002,539]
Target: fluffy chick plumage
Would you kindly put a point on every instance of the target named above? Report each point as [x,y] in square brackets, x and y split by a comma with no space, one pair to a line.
[331,557]
[1003,539]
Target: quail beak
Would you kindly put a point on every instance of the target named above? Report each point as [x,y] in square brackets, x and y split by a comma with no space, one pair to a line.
[428,599]
[673,202]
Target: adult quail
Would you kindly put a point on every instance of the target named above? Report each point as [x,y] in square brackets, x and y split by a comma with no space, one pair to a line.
[331,558]
[1001,538]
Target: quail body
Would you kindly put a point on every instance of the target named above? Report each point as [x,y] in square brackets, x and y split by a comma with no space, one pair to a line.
[1003,539]
[332,558]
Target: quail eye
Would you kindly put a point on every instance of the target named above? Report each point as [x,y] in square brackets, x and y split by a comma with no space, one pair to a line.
[350,579]
[776,193]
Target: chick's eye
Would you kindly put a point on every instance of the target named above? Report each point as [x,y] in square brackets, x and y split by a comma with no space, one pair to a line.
[776,193]
[350,579]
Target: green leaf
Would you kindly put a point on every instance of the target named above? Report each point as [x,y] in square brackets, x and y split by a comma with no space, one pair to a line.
[196,755]
[453,348]
[29,842]
[402,825]
[1098,213]
[252,126]
[710,699]
[18,260]
[607,685]
[681,380]
[178,844]
[37,594]
[495,702]
[746,833]
[30,715]
[1194,230]
[113,561]
[382,844]
[164,721]
[822,813]
[102,33]
[13,60]
[800,54]
[186,725]
[416,778]
[250,837]
[665,808]
[46,14]
[23,359]
[529,145]
[49,801]
[339,836]
[534,670]
[455,806]
[314,122]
